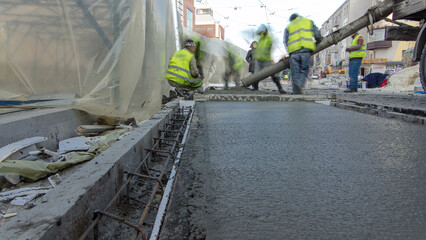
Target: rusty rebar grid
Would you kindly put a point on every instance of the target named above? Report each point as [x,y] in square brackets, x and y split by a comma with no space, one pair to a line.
[137,227]
[176,139]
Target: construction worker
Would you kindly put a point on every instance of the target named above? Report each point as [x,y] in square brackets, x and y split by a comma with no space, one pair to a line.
[234,67]
[199,42]
[249,56]
[250,59]
[262,56]
[299,39]
[356,53]
[182,72]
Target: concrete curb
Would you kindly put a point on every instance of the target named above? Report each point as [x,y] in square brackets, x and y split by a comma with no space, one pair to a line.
[383,111]
[66,211]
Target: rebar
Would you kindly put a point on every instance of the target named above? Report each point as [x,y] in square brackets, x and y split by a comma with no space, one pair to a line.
[174,140]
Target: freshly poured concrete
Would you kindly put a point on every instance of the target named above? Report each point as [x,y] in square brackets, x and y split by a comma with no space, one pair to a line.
[282,170]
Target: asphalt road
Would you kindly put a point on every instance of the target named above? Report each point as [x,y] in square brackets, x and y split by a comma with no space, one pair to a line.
[297,170]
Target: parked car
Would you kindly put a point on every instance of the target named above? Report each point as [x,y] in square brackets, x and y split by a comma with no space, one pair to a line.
[314,76]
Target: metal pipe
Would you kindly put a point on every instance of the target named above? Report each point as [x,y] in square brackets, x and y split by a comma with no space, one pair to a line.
[378,12]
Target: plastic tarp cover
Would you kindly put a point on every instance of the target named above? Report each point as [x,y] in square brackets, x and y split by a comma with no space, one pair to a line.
[112,54]
[214,57]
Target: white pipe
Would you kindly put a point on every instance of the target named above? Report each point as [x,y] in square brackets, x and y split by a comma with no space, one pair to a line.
[167,191]
[175,23]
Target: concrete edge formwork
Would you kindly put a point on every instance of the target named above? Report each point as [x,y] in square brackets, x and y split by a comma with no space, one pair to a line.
[67,210]
[382,111]
[263,98]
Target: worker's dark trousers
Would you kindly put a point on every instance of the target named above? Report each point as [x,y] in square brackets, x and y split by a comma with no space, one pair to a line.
[274,78]
[299,64]
[259,66]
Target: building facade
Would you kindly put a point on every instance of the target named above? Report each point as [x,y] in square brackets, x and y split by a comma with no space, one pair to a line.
[382,56]
[206,24]
[186,10]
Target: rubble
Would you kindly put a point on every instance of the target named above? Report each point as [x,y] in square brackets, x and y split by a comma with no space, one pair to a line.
[403,81]
[35,164]
[12,194]
[73,144]
[8,150]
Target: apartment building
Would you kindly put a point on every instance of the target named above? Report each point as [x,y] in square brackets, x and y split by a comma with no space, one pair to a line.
[206,24]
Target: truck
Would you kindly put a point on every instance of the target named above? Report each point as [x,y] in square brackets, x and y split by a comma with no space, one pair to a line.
[414,10]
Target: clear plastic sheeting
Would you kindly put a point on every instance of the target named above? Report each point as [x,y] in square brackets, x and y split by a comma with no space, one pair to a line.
[112,54]
[214,57]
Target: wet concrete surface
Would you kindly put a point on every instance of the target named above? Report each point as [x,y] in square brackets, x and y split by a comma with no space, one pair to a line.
[297,170]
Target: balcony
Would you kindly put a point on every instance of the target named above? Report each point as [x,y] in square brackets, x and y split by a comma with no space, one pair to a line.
[379,45]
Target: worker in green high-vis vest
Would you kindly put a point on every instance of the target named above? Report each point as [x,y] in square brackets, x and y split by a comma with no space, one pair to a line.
[356,53]
[182,72]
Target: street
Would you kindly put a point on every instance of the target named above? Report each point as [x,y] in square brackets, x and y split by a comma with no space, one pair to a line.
[298,170]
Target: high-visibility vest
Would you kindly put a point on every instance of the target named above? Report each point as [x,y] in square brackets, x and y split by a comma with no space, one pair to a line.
[238,65]
[360,52]
[263,50]
[235,62]
[300,35]
[179,71]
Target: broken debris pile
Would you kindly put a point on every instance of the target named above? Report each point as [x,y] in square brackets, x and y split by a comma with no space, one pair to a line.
[403,81]
[36,164]
[27,160]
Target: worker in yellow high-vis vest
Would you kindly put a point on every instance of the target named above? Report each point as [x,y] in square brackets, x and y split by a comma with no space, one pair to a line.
[300,38]
[234,68]
[262,56]
[356,53]
[182,72]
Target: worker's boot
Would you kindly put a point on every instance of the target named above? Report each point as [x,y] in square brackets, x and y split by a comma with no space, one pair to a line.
[255,86]
[297,89]
[180,92]
[280,88]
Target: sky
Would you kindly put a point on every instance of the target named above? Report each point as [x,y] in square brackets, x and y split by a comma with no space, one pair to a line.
[241,18]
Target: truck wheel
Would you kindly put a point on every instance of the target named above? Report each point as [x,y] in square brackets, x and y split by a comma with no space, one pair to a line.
[422,68]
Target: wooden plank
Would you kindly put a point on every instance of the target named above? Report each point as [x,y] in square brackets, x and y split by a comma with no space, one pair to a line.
[94,128]
[8,150]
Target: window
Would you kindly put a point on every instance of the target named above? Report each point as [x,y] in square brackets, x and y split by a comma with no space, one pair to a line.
[180,7]
[204,11]
[379,35]
[189,19]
